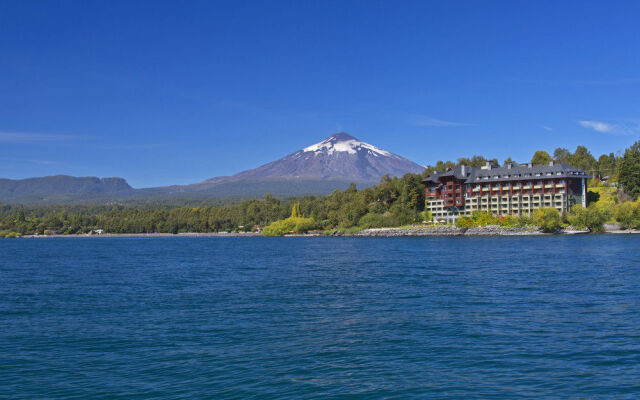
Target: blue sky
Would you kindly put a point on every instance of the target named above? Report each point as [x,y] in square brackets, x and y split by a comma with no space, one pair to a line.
[176,92]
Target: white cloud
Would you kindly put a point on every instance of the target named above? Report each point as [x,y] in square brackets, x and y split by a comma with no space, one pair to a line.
[546,128]
[19,137]
[425,120]
[620,128]
[597,126]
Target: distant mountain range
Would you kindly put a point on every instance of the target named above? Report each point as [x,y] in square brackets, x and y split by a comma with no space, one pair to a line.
[62,188]
[331,164]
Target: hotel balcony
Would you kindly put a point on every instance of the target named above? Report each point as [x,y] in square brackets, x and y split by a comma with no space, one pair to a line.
[485,189]
[475,190]
[548,186]
[526,187]
[537,186]
[559,185]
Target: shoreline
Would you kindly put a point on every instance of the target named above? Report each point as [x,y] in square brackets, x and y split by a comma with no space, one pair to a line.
[489,230]
[147,235]
[440,231]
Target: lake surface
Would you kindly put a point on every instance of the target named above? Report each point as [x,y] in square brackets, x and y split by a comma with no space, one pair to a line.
[244,318]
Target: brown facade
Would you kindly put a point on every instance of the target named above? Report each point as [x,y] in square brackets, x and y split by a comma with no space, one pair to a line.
[504,190]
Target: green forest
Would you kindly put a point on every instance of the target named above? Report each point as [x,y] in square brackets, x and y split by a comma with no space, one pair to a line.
[393,202]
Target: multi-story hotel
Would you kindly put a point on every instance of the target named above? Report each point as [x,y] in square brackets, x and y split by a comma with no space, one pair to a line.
[510,190]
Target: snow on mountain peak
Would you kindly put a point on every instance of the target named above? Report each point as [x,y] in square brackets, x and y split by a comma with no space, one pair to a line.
[343,142]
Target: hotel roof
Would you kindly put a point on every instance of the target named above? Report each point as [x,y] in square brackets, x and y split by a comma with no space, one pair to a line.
[508,173]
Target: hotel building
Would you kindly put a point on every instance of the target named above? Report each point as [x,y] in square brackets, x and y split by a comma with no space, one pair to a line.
[510,190]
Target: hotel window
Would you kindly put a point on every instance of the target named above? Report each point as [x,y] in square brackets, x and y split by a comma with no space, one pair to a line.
[559,173]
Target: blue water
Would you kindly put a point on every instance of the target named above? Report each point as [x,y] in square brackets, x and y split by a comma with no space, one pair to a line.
[244,318]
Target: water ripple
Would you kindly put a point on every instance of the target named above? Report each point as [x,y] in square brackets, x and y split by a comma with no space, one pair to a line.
[317,318]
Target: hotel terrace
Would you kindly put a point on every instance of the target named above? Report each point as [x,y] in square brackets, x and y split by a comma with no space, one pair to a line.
[510,190]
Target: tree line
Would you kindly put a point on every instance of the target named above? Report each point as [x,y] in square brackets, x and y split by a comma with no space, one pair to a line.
[606,164]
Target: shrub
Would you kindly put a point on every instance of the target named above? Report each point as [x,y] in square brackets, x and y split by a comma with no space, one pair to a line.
[508,220]
[464,222]
[483,218]
[587,218]
[371,220]
[627,215]
[352,230]
[548,219]
[522,220]
[304,225]
[405,215]
[12,235]
[288,225]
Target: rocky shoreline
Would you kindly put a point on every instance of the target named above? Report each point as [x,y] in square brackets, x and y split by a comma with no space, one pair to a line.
[490,230]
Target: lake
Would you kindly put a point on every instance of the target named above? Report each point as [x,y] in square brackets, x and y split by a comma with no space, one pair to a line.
[316,318]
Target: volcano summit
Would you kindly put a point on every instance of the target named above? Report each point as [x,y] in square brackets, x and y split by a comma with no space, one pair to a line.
[340,156]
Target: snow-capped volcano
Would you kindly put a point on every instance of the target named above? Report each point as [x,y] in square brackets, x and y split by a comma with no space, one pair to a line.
[340,156]
[345,142]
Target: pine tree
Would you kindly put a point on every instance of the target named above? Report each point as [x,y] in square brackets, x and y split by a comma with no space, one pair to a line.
[295,211]
[629,173]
